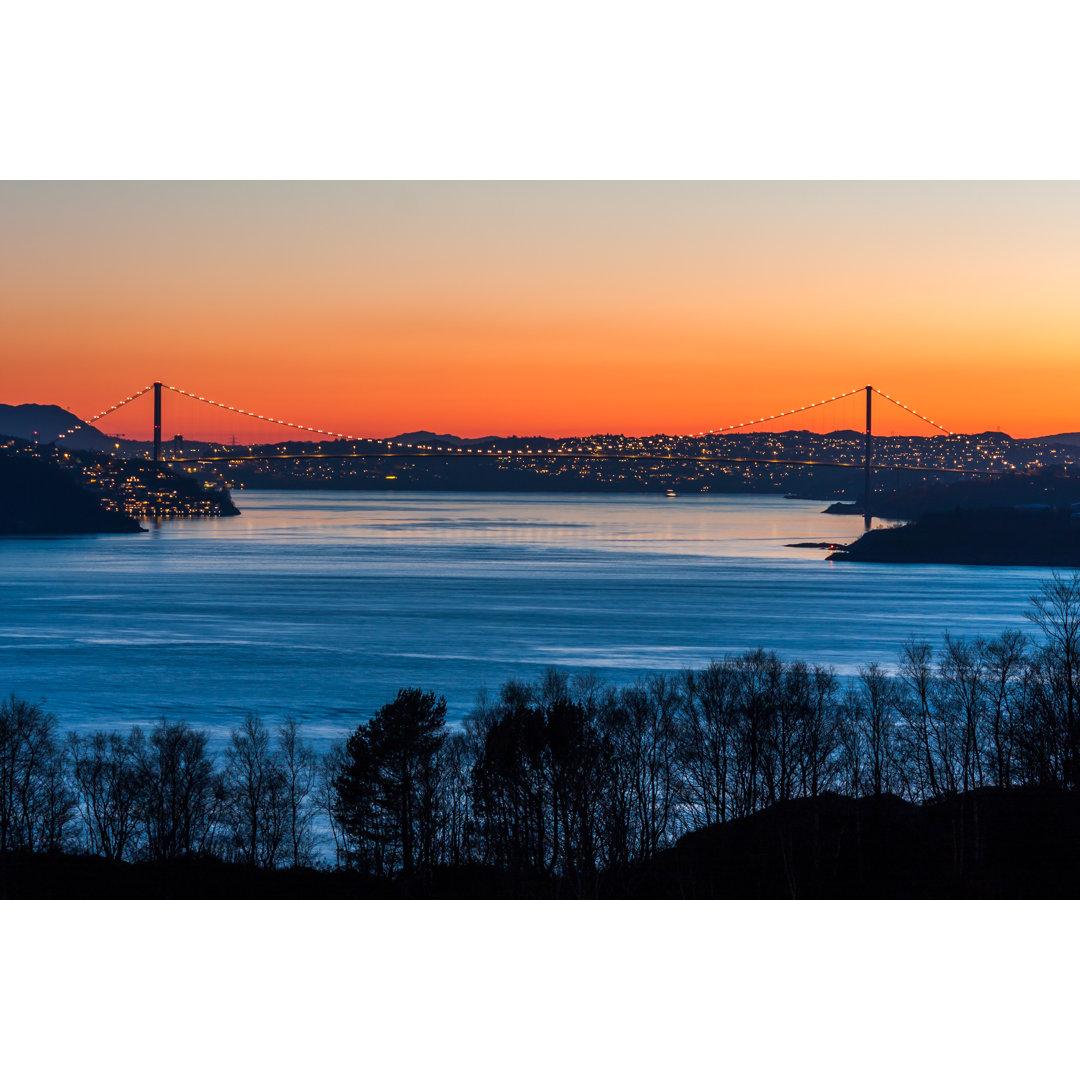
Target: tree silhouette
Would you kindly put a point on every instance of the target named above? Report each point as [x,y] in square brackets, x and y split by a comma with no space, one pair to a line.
[1004,661]
[299,771]
[255,794]
[180,795]
[387,790]
[457,758]
[106,782]
[706,741]
[878,717]
[922,736]
[330,767]
[36,800]
[1055,610]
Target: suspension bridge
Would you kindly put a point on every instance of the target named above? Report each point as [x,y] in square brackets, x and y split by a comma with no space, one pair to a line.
[361,446]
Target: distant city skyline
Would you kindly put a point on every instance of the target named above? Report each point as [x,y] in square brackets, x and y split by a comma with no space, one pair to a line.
[554,308]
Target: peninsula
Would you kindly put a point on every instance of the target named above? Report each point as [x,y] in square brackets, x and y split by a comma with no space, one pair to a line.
[1034,535]
[47,491]
[38,497]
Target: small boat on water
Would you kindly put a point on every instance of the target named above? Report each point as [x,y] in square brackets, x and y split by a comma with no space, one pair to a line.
[671,494]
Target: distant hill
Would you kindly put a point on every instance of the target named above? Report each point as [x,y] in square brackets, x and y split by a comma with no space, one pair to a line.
[427,438]
[44,423]
[1068,438]
[430,438]
[1012,489]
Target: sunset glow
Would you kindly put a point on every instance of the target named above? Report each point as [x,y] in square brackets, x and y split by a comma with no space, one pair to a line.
[378,308]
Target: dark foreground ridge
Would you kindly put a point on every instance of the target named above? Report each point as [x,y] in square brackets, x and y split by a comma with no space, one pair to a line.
[990,843]
[986,844]
[1001,536]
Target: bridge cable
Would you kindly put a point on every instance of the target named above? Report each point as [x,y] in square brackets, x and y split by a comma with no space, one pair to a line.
[259,416]
[827,401]
[780,415]
[332,434]
[906,408]
[105,412]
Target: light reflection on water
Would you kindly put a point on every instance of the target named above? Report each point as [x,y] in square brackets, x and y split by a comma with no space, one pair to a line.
[321,604]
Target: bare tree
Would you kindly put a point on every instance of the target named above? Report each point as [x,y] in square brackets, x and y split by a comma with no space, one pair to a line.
[1004,659]
[878,700]
[299,771]
[964,691]
[818,734]
[255,794]
[106,783]
[852,753]
[1042,736]
[458,758]
[707,733]
[760,682]
[180,796]
[36,802]
[919,737]
[1055,610]
[648,743]
[330,767]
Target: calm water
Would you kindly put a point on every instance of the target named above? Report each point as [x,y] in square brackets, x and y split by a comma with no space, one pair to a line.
[320,605]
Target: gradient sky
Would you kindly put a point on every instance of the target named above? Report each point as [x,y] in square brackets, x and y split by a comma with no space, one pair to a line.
[556,308]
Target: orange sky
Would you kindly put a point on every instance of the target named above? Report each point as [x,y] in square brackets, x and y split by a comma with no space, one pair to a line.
[555,308]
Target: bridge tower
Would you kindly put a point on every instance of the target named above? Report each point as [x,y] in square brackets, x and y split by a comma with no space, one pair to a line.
[869,450]
[157,421]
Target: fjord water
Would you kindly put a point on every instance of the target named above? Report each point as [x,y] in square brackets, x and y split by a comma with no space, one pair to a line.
[320,605]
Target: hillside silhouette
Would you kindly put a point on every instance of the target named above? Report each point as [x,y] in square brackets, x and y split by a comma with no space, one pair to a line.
[45,423]
[990,843]
[38,497]
[983,536]
[81,491]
